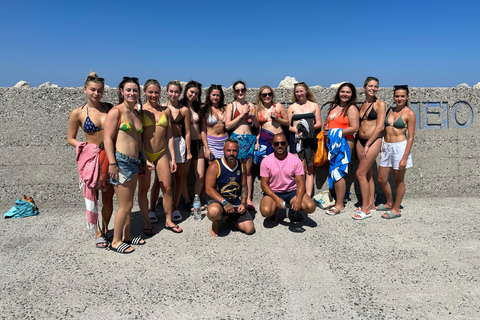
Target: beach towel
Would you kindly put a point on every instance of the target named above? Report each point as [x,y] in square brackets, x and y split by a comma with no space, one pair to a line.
[338,154]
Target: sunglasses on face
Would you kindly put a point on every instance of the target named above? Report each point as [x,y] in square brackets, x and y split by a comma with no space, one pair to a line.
[240,90]
[130,79]
[268,94]
[279,143]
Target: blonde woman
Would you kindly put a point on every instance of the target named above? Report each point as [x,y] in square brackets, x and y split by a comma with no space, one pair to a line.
[271,117]
[182,144]
[91,119]
[156,130]
[304,114]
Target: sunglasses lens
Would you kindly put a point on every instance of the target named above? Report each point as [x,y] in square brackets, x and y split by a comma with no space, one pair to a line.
[281,143]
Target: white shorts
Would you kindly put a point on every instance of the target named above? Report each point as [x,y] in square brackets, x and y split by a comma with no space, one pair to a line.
[392,153]
[180,149]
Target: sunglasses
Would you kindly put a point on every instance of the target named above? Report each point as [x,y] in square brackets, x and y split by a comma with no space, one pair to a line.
[268,94]
[90,78]
[402,86]
[279,143]
[296,84]
[240,90]
[216,86]
[130,79]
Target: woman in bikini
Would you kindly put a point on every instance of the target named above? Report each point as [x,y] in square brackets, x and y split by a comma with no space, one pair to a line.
[214,132]
[124,148]
[91,119]
[271,117]
[241,118]
[192,100]
[395,152]
[181,138]
[304,107]
[369,141]
[342,114]
[156,130]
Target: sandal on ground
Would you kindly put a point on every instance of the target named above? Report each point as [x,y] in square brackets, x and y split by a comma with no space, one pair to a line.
[333,211]
[391,215]
[361,215]
[174,229]
[122,248]
[153,218]
[109,235]
[189,206]
[137,241]
[381,207]
[99,241]
[149,231]
[359,209]
[176,216]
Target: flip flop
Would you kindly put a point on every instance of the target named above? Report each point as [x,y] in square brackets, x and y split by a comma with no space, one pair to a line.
[335,211]
[176,216]
[153,218]
[381,207]
[359,209]
[178,229]
[121,248]
[391,215]
[137,241]
[99,241]
[109,235]
[361,215]
[149,231]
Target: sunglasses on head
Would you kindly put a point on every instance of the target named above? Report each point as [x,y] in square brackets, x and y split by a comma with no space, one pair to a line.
[243,90]
[130,79]
[402,86]
[90,78]
[216,86]
[279,143]
[268,94]
[296,84]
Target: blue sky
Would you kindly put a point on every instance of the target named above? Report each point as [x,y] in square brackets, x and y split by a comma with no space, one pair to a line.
[420,43]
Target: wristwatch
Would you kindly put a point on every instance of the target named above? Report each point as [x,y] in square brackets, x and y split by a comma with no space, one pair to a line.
[224,202]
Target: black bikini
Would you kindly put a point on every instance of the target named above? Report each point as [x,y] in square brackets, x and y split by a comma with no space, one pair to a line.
[372,115]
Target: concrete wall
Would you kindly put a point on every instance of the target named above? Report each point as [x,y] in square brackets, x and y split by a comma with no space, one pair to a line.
[35,158]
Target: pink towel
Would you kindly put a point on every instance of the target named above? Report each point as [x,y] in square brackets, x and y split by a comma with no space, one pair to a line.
[87,161]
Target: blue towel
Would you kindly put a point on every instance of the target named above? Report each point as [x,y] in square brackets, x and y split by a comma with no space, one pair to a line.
[338,154]
[21,209]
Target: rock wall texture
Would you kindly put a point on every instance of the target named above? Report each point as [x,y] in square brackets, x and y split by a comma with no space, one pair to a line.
[35,158]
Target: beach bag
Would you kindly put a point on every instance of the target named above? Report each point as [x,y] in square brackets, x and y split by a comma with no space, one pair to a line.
[324,200]
[321,156]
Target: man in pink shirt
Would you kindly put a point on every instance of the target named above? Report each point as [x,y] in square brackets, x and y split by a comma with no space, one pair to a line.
[283,183]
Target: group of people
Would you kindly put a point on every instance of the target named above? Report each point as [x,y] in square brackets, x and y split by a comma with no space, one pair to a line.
[125,143]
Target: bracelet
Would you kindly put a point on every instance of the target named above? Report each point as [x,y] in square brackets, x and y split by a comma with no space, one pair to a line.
[113,164]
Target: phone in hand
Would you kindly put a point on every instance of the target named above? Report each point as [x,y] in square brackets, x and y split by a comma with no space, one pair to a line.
[212,157]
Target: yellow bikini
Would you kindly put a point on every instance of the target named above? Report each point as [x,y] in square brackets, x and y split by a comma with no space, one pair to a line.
[147,122]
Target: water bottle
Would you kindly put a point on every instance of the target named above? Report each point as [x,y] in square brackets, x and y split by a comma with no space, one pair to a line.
[197,213]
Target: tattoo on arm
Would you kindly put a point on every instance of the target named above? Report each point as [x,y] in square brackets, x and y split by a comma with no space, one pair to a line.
[243,197]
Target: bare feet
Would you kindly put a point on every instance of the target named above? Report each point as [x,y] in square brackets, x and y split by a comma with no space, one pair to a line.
[215,229]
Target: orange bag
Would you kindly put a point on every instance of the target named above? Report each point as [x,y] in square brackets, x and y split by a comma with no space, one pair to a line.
[321,156]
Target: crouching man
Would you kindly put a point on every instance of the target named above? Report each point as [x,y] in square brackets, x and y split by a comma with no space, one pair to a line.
[283,183]
[226,186]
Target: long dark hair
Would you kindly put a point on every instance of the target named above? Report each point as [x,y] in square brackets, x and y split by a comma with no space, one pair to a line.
[121,85]
[197,103]
[206,109]
[336,100]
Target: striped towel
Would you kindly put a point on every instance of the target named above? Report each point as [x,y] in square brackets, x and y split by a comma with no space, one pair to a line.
[338,154]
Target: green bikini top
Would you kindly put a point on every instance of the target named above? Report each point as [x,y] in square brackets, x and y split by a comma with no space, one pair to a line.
[398,124]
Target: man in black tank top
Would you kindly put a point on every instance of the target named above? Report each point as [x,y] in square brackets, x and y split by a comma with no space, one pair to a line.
[226,187]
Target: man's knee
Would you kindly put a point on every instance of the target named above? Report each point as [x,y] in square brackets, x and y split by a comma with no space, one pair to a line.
[214,213]
[247,227]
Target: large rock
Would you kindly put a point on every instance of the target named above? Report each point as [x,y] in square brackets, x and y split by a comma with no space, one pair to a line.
[463,85]
[48,85]
[337,85]
[477,86]
[22,84]
[288,82]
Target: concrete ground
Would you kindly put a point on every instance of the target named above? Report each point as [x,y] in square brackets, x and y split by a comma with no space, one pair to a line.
[424,265]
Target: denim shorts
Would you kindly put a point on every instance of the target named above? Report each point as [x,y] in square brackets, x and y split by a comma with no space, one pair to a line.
[127,165]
